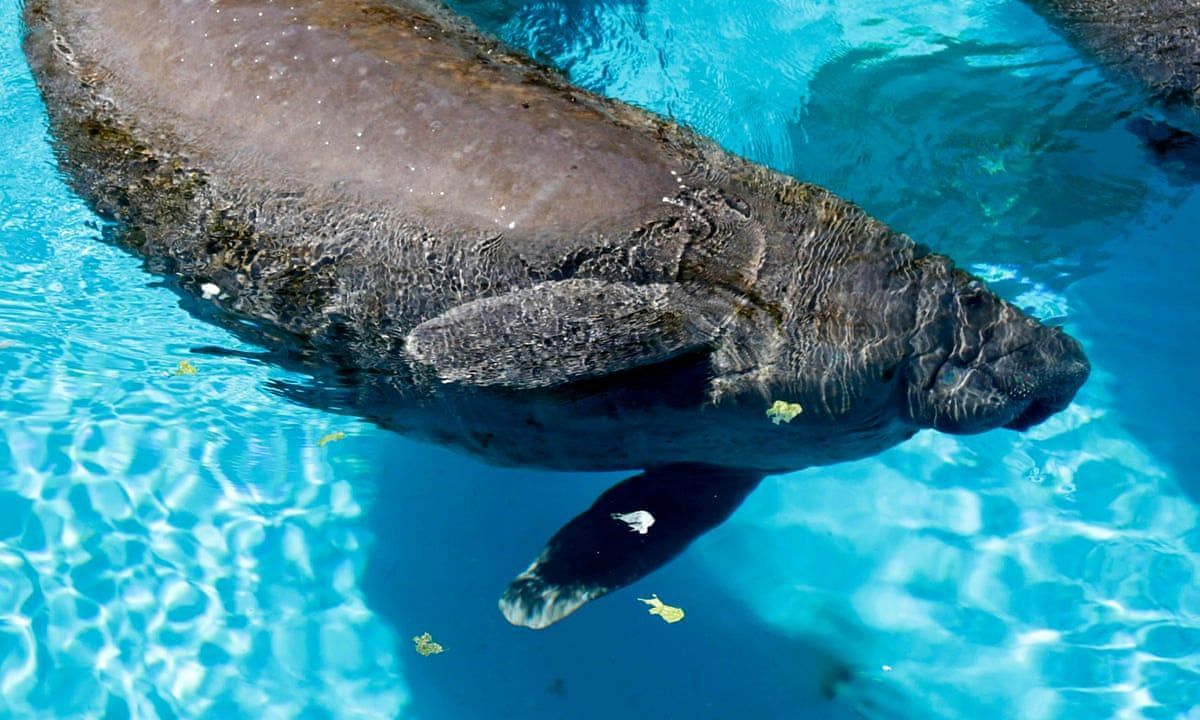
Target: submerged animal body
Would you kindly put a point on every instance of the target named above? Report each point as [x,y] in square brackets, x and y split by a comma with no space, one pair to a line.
[1154,42]
[498,261]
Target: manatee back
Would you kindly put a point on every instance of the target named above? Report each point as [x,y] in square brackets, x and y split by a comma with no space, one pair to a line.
[345,170]
[388,103]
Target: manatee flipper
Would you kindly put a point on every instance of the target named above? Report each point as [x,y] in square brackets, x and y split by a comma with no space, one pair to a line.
[559,332]
[599,551]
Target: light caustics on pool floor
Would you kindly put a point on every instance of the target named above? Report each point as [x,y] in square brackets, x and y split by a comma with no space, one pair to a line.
[182,545]
[171,544]
[1058,582]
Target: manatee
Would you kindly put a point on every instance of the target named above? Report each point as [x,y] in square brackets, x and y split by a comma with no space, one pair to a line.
[460,246]
[1154,43]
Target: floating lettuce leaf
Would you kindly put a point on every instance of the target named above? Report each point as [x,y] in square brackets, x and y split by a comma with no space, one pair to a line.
[639,521]
[185,368]
[426,646]
[783,411]
[331,437]
[666,612]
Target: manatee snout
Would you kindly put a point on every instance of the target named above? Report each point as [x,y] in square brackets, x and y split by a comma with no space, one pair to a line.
[1048,371]
[986,364]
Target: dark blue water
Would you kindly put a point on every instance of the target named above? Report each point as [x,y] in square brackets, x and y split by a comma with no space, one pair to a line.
[182,545]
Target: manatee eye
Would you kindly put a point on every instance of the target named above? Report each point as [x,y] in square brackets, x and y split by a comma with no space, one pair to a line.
[888,374]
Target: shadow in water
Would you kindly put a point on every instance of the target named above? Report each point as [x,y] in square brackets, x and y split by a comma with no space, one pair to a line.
[450,533]
[1176,152]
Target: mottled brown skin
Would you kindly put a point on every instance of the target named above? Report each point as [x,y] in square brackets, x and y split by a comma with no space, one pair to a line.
[516,267]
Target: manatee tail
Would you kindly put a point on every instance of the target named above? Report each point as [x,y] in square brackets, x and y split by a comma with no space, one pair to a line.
[1169,144]
[634,528]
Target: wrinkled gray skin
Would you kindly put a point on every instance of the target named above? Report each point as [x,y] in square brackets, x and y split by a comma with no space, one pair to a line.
[519,268]
[1154,42]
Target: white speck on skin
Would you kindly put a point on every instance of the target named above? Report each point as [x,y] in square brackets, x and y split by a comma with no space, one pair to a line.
[512,225]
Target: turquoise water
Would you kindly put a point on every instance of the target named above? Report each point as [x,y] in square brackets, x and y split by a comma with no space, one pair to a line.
[183,545]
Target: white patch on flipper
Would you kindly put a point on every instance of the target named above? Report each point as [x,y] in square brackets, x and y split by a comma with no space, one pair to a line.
[210,290]
[531,602]
[639,521]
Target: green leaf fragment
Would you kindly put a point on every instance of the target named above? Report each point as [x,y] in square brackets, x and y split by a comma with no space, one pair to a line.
[426,646]
[668,613]
[185,368]
[331,437]
[782,411]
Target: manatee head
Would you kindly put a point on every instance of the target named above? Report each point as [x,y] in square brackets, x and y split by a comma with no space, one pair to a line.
[980,362]
[877,336]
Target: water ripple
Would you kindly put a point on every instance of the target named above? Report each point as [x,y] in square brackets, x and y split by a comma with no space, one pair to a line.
[160,554]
